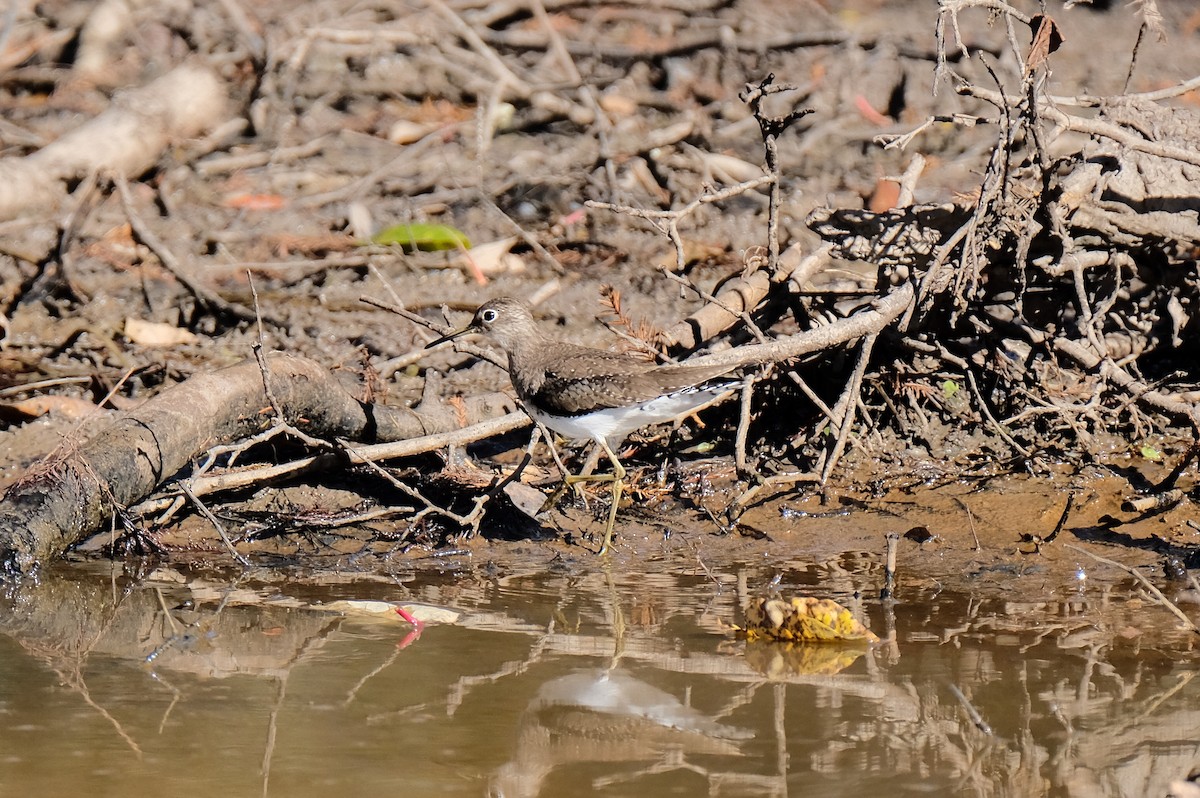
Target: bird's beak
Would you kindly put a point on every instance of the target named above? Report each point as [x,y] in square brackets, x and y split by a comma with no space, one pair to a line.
[468,330]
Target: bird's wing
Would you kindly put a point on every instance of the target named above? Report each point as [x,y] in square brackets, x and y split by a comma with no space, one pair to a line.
[570,396]
[675,378]
[611,380]
[591,380]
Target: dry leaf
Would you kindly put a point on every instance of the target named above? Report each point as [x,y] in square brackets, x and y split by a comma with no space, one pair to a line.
[529,500]
[693,252]
[405,132]
[618,105]
[884,197]
[359,221]
[782,660]
[255,202]
[68,406]
[729,169]
[642,329]
[486,260]
[151,333]
[868,112]
[1046,39]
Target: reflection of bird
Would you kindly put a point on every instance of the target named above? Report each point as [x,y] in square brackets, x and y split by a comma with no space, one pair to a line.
[585,393]
[615,692]
[606,716]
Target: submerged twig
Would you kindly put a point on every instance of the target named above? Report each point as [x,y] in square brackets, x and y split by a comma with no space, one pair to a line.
[1158,594]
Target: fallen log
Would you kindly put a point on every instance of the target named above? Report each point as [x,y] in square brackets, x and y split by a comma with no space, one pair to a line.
[76,490]
[127,139]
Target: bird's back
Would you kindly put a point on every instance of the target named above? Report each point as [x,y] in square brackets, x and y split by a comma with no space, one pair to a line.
[568,379]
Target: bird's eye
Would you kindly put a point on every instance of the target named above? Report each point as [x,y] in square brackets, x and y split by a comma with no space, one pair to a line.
[488,316]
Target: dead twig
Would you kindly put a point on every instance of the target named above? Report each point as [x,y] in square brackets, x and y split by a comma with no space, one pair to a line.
[971,522]
[1154,591]
[212,519]
[469,521]
[771,127]
[892,541]
[502,73]
[668,223]
[235,479]
[741,463]
[845,409]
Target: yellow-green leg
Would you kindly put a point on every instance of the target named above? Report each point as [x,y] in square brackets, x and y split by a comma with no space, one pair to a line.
[571,482]
[617,478]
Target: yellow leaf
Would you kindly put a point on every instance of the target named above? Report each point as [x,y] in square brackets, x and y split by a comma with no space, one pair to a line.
[803,619]
[781,660]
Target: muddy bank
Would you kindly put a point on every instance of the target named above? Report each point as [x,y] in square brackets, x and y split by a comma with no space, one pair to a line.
[972,307]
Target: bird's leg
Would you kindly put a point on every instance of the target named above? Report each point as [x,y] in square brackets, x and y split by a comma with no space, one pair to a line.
[569,480]
[618,477]
[549,436]
[572,481]
[553,498]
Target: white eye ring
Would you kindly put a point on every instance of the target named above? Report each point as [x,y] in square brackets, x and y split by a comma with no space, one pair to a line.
[488,315]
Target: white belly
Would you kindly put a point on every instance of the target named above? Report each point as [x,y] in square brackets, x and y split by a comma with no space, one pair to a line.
[612,424]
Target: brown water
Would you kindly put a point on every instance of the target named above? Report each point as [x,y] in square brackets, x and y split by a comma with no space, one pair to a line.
[566,678]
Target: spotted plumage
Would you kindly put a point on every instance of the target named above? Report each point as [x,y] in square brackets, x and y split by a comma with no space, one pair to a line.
[586,393]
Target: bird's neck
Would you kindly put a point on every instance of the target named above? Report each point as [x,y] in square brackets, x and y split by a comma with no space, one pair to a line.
[529,352]
[518,349]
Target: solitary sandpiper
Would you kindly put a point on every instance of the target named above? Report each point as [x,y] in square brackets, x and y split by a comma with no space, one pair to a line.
[585,393]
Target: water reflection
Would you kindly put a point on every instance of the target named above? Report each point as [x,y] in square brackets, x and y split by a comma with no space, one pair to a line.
[600,716]
[581,682]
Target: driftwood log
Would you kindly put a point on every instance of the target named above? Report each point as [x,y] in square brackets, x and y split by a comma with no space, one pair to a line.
[76,490]
[127,139]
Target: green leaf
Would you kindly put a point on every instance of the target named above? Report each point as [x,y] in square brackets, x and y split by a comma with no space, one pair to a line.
[950,388]
[422,237]
[1150,453]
